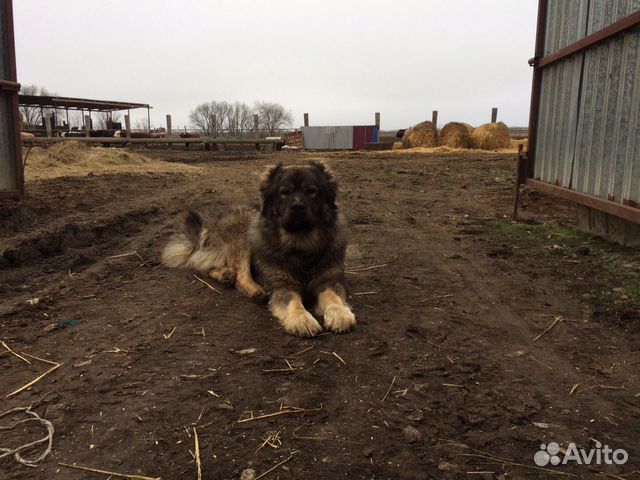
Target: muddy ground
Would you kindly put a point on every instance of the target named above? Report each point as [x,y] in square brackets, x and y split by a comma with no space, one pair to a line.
[442,378]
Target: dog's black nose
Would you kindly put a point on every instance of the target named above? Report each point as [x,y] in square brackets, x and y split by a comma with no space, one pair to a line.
[297,207]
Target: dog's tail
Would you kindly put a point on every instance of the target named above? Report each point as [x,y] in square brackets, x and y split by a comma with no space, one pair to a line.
[193,248]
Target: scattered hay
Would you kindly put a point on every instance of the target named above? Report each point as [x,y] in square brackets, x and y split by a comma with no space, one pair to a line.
[515,142]
[491,136]
[77,159]
[456,135]
[421,135]
[397,146]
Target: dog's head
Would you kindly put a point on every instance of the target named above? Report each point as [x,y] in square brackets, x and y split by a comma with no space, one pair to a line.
[299,198]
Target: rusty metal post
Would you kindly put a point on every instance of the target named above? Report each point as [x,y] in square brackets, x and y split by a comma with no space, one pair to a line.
[519,181]
[535,89]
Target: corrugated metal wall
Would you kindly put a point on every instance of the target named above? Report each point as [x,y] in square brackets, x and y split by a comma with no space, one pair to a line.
[10,178]
[327,138]
[588,125]
[364,135]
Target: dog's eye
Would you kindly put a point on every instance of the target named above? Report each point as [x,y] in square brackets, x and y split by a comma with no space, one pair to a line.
[285,191]
[311,190]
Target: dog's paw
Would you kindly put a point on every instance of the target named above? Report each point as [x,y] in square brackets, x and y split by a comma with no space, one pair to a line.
[301,324]
[339,318]
[226,276]
[259,295]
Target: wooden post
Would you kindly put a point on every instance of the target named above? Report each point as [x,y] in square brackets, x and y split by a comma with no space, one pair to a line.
[306,119]
[434,118]
[127,125]
[378,120]
[256,124]
[87,125]
[47,126]
[494,114]
[168,125]
[149,120]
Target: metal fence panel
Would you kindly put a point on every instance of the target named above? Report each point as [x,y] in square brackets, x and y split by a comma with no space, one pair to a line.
[327,138]
[589,112]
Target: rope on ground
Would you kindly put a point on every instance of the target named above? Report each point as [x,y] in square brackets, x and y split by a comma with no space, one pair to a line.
[5,452]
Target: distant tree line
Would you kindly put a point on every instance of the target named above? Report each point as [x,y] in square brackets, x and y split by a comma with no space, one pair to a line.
[217,118]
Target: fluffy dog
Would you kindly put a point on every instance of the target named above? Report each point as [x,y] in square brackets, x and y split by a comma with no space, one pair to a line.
[295,245]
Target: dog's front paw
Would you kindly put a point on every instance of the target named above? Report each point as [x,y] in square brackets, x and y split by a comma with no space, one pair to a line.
[301,324]
[339,318]
[259,295]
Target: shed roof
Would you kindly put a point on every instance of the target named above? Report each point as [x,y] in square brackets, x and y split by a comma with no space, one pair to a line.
[77,103]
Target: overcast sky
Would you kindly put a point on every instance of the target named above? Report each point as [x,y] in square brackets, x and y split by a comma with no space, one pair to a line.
[338,60]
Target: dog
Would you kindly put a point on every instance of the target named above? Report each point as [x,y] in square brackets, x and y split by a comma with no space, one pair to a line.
[291,250]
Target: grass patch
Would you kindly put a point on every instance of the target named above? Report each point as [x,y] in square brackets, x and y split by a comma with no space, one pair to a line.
[605,273]
[536,232]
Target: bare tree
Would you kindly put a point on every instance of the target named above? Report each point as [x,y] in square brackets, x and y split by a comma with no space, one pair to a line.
[105,120]
[273,117]
[239,118]
[142,124]
[216,118]
[203,118]
[32,116]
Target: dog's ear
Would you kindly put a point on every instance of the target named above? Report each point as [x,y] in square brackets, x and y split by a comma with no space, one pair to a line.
[268,177]
[269,186]
[192,223]
[329,184]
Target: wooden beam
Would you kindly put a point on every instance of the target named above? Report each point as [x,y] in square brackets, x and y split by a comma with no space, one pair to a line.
[47,126]
[116,140]
[494,115]
[620,26]
[168,125]
[306,119]
[434,118]
[614,208]
[127,125]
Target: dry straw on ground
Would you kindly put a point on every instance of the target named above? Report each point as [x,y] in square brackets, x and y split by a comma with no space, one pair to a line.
[456,135]
[491,136]
[421,135]
[76,159]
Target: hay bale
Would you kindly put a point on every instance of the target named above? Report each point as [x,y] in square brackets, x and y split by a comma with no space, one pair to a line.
[456,135]
[491,136]
[423,134]
[397,146]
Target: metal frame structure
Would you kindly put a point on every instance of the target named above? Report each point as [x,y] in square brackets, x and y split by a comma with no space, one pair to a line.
[80,104]
[10,87]
[627,210]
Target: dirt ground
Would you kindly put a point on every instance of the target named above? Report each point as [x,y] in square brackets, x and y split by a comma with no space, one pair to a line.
[443,377]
